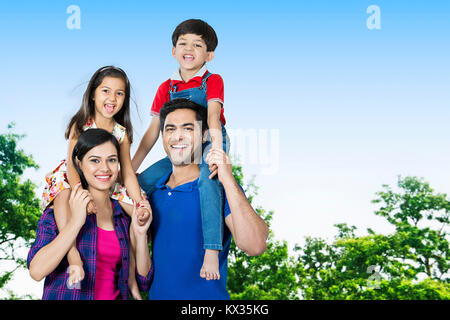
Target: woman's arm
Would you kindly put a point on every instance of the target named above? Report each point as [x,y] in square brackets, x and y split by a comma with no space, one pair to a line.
[140,241]
[49,257]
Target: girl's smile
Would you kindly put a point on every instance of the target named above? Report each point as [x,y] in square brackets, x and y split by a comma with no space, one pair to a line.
[109,97]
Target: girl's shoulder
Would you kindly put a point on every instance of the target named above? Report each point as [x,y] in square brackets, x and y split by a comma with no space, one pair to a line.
[119,132]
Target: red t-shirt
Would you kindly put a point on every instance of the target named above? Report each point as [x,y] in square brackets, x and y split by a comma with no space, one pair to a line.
[214,91]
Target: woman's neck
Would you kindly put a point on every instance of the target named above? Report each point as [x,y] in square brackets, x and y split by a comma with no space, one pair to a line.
[100,198]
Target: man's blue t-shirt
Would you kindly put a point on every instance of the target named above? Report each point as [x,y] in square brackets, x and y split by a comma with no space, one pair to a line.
[178,246]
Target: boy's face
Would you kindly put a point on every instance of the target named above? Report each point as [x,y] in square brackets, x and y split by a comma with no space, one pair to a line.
[191,53]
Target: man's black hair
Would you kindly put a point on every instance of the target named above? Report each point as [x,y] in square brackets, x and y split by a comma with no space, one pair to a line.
[198,27]
[201,114]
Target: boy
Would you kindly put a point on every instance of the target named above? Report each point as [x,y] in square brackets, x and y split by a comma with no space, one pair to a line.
[194,42]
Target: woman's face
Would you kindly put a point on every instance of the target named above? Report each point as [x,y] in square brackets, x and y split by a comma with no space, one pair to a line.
[100,166]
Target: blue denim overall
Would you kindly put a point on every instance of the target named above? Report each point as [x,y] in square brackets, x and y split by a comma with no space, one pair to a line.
[210,190]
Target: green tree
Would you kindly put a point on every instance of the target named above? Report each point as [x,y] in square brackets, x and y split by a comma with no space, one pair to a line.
[384,266]
[268,276]
[19,207]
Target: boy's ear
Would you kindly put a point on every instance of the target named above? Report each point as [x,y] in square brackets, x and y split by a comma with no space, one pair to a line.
[173,52]
[210,56]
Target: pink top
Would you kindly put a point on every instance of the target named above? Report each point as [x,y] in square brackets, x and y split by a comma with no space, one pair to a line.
[108,265]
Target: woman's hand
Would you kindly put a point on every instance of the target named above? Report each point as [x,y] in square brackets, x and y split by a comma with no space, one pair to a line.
[79,198]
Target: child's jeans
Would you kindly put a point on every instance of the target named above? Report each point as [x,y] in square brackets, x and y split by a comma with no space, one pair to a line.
[210,191]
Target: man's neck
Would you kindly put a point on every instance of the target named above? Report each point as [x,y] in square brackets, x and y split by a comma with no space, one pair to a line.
[183,174]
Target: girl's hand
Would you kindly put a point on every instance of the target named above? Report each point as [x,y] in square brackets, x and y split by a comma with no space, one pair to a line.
[79,198]
[142,218]
[144,212]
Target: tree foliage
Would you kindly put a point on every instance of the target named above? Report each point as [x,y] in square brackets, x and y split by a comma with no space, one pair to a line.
[19,207]
[411,263]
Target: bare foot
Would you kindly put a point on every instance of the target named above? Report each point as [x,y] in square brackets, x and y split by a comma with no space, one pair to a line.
[210,267]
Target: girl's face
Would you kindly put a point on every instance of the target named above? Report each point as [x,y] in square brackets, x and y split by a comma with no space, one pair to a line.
[100,166]
[109,97]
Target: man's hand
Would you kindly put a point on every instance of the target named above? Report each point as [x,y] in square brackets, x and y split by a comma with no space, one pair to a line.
[220,164]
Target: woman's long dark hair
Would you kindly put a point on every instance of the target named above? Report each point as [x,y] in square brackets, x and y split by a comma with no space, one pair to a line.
[87,109]
[90,139]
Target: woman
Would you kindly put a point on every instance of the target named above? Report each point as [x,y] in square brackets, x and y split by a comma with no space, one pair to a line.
[102,238]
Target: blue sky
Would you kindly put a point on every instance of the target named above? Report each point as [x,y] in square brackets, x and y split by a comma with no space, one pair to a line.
[353,107]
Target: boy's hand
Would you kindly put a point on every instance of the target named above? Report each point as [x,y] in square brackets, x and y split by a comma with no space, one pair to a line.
[220,164]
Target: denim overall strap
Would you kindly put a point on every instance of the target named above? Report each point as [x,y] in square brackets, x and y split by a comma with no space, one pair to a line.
[196,94]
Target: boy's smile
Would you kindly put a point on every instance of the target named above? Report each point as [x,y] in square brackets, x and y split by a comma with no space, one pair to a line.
[191,53]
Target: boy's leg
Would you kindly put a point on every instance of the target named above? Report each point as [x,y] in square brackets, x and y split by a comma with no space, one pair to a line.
[211,206]
[62,215]
[150,176]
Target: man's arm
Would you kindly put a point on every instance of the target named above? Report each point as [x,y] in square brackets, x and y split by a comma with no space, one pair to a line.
[249,230]
[148,140]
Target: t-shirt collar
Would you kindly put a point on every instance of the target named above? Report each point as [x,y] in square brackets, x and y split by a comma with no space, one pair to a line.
[176,76]
[186,187]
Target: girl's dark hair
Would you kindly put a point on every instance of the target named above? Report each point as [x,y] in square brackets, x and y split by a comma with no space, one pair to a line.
[87,109]
[198,27]
[90,139]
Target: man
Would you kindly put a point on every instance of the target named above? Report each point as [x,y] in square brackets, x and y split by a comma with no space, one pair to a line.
[176,228]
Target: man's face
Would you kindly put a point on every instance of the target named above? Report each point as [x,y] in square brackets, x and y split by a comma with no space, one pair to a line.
[182,137]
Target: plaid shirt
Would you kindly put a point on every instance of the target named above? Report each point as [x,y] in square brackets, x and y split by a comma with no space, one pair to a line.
[55,287]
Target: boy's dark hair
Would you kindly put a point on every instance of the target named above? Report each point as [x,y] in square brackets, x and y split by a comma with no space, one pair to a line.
[198,27]
[90,139]
[182,103]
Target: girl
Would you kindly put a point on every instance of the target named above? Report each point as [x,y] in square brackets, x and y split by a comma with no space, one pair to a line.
[105,105]
[102,238]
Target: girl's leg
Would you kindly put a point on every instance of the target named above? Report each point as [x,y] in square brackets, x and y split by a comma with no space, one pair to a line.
[62,215]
